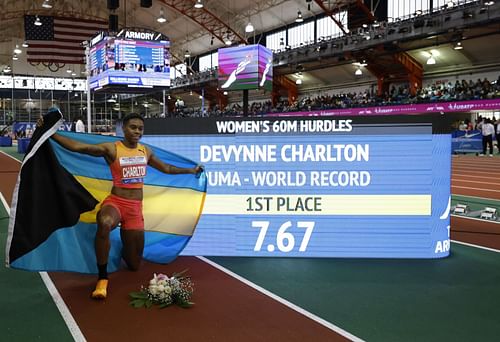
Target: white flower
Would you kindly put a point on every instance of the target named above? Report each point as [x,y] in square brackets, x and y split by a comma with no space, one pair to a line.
[167,290]
[154,280]
[153,289]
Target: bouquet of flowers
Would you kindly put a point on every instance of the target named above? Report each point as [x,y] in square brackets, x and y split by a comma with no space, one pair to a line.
[164,291]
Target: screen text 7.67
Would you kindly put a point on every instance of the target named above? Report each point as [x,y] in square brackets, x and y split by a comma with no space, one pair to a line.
[285,241]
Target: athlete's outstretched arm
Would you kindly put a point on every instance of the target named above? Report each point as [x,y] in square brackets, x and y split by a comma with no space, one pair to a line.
[97,150]
[171,169]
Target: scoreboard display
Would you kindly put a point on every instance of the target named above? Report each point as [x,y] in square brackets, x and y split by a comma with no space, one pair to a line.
[130,61]
[375,187]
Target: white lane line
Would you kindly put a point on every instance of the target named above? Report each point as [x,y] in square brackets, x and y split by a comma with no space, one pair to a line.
[476,219]
[283,301]
[481,168]
[473,181]
[477,246]
[4,203]
[481,189]
[475,169]
[456,175]
[63,309]
[73,327]
[8,155]
[453,197]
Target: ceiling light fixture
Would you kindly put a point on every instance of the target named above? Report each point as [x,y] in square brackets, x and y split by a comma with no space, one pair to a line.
[161,18]
[187,54]
[228,40]
[37,21]
[46,4]
[14,57]
[299,18]
[6,69]
[360,64]
[458,46]
[17,49]
[198,4]
[308,4]
[358,72]
[25,44]
[431,60]
[249,28]
[298,75]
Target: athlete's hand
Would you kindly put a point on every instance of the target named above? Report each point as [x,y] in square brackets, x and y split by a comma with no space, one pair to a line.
[39,122]
[198,169]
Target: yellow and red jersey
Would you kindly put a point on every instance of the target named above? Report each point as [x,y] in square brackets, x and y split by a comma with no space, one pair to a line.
[129,168]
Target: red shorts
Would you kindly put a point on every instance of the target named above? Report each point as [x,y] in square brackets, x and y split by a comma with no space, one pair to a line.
[130,211]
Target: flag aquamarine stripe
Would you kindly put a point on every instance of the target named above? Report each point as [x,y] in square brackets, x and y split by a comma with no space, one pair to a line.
[72,249]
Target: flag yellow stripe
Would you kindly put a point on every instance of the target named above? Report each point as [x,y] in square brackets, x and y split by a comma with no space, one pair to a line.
[165,209]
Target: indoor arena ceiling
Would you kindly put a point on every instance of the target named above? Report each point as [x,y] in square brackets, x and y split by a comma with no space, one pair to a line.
[185,32]
[194,33]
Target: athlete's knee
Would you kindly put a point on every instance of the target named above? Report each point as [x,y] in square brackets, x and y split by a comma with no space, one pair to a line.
[104,226]
[105,222]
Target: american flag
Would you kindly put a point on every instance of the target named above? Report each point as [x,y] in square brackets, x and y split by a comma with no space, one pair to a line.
[59,40]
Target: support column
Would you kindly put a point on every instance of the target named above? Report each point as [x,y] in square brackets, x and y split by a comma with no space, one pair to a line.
[414,69]
[283,83]
[245,102]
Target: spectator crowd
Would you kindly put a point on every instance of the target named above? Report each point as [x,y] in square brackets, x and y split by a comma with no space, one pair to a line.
[460,90]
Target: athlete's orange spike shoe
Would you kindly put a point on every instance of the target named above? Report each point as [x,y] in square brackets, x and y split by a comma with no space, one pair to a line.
[100,291]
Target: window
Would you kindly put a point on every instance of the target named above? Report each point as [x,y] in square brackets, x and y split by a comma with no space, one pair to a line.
[215,59]
[276,41]
[327,28]
[208,62]
[178,70]
[442,4]
[301,35]
[397,9]
[205,62]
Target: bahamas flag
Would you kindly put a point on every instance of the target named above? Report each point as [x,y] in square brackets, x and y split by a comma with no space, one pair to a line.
[58,194]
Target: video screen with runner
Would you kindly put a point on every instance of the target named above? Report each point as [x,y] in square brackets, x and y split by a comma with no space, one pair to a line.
[245,67]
